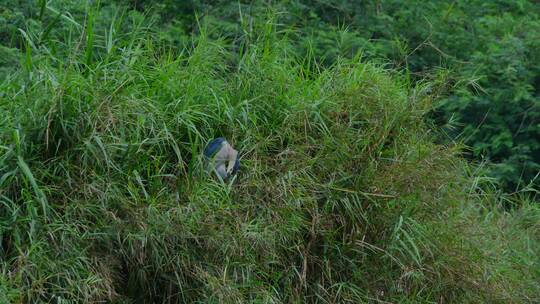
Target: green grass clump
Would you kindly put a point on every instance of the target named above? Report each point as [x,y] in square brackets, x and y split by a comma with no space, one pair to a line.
[341,197]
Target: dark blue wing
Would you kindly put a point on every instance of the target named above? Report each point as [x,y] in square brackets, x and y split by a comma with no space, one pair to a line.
[213,147]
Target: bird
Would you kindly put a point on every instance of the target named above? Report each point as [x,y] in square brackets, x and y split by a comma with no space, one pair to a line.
[222,158]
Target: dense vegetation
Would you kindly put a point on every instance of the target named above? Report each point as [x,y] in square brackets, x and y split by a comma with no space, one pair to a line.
[346,191]
[488,51]
[491,47]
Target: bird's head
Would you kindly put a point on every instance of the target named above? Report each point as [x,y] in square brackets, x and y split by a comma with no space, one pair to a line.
[213,147]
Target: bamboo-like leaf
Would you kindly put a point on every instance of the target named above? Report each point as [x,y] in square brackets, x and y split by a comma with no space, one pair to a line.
[30,178]
[89,37]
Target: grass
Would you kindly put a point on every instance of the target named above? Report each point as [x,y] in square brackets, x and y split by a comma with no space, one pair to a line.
[342,195]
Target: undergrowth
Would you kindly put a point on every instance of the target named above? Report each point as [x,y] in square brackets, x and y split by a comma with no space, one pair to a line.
[342,195]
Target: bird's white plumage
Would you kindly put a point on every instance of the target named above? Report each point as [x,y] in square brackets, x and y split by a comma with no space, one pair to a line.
[224,160]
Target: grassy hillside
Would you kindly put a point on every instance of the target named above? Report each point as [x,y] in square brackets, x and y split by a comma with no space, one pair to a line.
[342,195]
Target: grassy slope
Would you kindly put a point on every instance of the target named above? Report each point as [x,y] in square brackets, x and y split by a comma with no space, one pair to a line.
[342,196]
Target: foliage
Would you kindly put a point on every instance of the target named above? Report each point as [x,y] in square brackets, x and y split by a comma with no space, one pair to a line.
[342,195]
[491,47]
